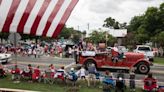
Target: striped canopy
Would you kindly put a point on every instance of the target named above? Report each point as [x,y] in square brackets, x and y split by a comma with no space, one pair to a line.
[35,17]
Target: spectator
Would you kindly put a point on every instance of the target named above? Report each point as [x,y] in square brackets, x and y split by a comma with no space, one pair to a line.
[34,52]
[60,51]
[108,78]
[36,74]
[76,52]
[120,82]
[82,73]
[28,72]
[132,82]
[150,83]
[61,73]
[69,52]
[160,51]
[52,69]
[108,81]
[92,71]
[16,74]
[29,52]
[72,76]
[2,72]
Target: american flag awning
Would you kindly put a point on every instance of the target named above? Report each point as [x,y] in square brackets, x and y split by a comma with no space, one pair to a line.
[35,17]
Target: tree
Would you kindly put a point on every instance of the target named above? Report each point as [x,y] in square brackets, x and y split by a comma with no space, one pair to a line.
[101,36]
[66,33]
[4,36]
[146,27]
[159,38]
[113,24]
[109,22]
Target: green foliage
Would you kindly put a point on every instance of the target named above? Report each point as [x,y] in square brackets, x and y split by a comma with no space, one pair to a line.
[4,35]
[148,26]
[101,36]
[70,33]
[112,23]
[66,33]
[159,38]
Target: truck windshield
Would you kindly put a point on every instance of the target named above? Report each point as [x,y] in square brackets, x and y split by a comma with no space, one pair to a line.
[144,48]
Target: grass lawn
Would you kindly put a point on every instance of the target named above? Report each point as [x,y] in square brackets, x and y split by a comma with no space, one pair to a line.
[159,60]
[7,83]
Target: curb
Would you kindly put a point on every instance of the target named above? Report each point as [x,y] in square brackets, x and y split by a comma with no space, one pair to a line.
[155,64]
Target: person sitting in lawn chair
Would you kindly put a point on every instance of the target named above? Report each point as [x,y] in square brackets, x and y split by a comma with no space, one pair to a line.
[150,84]
[108,79]
[36,74]
[2,72]
[108,82]
[72,76]
[16,73]
[161,89]
[47,77]
[28,72]
[52,70]
[61,74]
[120,82]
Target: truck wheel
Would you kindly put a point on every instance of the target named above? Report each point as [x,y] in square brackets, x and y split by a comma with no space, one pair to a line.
[88,63]
[143,68]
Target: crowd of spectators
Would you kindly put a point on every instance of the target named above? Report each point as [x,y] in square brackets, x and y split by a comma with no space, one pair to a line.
[91,76]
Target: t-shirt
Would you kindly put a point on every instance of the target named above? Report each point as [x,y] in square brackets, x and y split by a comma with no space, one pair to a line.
[92,69]
[82,72]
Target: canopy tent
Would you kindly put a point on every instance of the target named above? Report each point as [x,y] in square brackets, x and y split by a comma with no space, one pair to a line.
[35,17]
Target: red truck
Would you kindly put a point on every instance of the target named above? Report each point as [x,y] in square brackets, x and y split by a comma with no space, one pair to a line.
[105,60]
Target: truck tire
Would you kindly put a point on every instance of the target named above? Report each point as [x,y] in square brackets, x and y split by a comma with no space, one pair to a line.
[143,68]
[88,63]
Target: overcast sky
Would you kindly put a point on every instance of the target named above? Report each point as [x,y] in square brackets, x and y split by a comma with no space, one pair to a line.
[95,12]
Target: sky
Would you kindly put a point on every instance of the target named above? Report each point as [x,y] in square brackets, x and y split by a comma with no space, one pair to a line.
[94,12]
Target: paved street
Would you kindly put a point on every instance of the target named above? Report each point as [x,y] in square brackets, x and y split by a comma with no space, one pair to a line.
[45,61]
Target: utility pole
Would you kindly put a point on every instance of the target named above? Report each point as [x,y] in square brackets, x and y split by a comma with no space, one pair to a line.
[78,28]
[88,27]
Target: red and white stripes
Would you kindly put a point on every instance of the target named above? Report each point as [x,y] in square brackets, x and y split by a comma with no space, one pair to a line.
[35,17]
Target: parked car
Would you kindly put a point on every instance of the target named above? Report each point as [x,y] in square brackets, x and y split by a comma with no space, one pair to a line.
[145,49]
[105,60]
[5,58]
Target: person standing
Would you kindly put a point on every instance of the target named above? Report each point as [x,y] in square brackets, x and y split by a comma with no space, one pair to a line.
[161,51]
[92,71]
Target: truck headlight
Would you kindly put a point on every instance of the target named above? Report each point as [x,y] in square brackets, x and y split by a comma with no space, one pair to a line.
[145,57]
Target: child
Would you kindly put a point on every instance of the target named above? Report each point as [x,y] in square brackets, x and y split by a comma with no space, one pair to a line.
[82,73]
[61,73]
[132,82]
[108,78]
[2,72]
[120,82]
[36,74]
[16,74]
[52,69]
[72,76]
